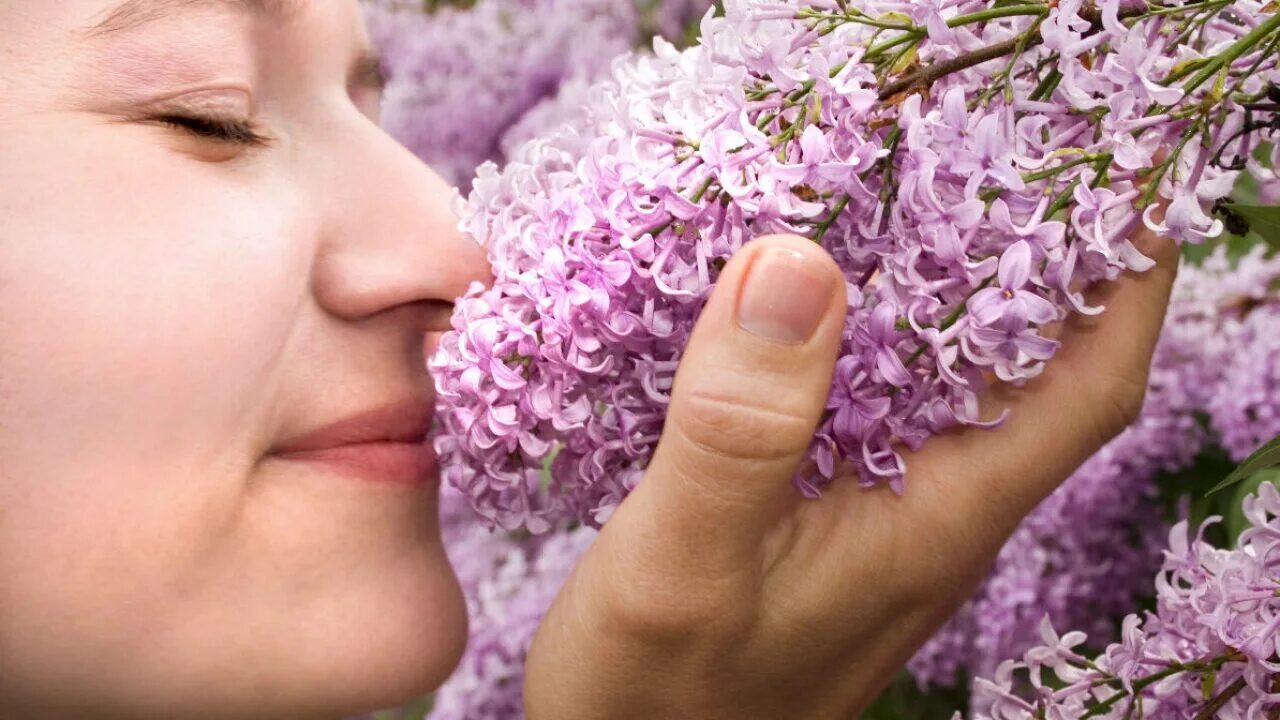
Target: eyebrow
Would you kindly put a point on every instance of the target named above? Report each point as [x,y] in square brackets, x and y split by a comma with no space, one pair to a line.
[132,14]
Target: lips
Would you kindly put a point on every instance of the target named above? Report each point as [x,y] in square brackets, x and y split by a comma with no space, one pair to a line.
[386,444]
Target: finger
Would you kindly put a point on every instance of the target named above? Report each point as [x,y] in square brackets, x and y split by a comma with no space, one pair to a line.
[745,402]
[1126,334]
[1089,392]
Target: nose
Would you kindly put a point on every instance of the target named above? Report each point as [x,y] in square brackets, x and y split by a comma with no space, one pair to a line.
[390,239]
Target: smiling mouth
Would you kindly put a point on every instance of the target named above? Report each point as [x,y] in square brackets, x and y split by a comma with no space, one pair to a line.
[387,444]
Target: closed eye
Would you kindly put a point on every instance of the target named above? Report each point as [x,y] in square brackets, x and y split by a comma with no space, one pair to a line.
[217,129]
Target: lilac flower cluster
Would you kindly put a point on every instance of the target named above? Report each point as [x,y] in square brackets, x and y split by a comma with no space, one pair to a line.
[509,583]
[1245,410]
[459,76]
[1081,558]
[982,160]
[1211,649]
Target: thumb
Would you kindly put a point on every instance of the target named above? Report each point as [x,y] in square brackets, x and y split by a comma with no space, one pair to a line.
[746,399]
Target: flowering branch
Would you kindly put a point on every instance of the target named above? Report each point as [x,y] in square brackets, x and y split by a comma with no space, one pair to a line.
[607,238]
[1233,593]
[924,78]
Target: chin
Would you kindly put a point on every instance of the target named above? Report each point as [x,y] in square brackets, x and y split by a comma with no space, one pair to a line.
[386,637]
[408,644]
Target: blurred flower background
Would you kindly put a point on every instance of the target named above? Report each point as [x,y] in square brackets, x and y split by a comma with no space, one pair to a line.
[468,79]
[471,80]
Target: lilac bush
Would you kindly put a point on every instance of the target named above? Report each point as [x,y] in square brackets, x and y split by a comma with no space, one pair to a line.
[972,165]
[1246,409]
[1082,558]
[509,582]
[460,74]
[1211,649]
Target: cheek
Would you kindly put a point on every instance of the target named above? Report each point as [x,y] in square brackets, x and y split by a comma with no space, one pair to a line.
[148,308]
[143,301]
[146,299]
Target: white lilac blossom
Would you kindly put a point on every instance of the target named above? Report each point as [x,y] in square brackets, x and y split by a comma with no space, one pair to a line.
[460,74]
[1211,648]
[983,161]
[1082,557]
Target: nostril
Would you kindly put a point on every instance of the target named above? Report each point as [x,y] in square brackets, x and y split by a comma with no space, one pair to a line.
[435,315]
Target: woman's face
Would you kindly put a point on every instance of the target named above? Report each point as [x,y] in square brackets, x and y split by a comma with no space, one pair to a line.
[208,249]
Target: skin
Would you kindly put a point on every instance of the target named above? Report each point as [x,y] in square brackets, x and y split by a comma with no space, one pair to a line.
[173,306]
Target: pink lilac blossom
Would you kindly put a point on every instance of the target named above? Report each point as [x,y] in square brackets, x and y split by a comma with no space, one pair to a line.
[1264,171]
[1211,649]
[509,583]
[1081,558]
[460,76]
[1245,411]
[982,191]
[565,109]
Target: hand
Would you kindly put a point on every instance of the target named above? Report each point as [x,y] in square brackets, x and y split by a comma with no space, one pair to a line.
[717,591]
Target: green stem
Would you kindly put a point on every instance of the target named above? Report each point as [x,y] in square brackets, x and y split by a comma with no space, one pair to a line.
[1190,67]
[1138,687]
[1082,160]
[1232,53]
[1267,52]
[1186,8]
[891,44]
[697,196]
[840,205]
[1006,77]
[1211,708]
[858,18]
[1153,185]
[1047,85]
[1063,199]
[996,13]
[948,321]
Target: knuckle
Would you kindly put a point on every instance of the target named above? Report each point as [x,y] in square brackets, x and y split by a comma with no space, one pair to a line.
[725,427]
[662,614]
[808,625]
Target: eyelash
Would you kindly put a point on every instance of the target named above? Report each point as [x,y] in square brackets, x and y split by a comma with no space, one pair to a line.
[216,129]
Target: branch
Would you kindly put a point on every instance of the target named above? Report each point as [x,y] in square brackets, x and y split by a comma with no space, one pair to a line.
[924,78]
[1212,707]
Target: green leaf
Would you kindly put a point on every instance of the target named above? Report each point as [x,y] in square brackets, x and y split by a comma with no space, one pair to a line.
[905,59]
[1264,457]
[904,700]
[1192,484]
[1263,220]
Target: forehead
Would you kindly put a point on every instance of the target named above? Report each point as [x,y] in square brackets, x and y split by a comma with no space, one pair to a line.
[132,14]
[49,44]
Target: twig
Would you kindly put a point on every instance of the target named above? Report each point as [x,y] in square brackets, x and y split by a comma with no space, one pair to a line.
[1211,708]
[926,76]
